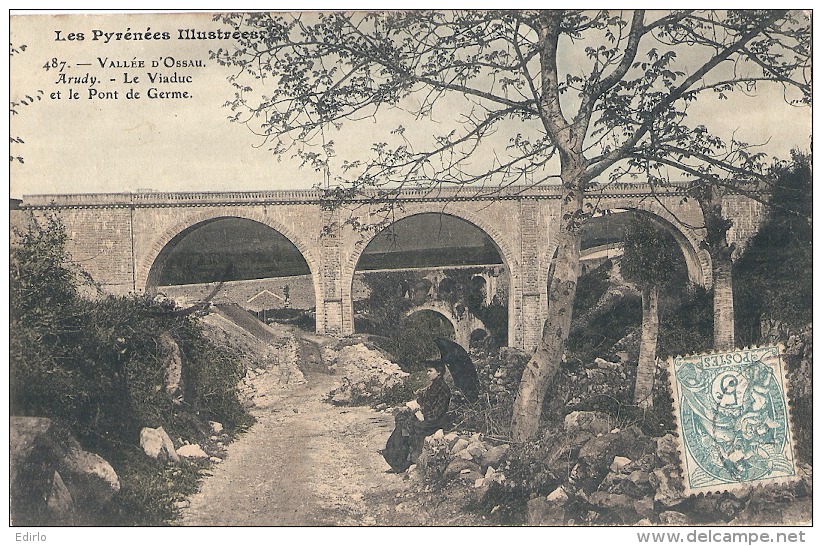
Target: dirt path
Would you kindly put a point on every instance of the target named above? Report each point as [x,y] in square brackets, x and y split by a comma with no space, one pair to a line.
[306,462]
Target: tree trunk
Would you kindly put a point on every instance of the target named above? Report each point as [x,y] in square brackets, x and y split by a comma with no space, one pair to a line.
[716,227]
[723,301]
[546,360]
[646,367]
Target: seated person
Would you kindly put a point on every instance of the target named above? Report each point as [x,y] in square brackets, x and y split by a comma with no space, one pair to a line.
[420,418]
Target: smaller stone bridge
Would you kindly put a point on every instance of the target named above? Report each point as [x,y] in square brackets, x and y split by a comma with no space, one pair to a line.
[463,321]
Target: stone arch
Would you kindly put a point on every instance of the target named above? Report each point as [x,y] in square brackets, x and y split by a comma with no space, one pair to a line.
[464,326]
[145,268]
[697,259]
[506,249]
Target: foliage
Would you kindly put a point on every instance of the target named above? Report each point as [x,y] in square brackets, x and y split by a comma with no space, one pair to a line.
[687,326]
[774,276]
[413,343]
[591,286]
[27,99]
[603,330]
[650,257]
[99,366]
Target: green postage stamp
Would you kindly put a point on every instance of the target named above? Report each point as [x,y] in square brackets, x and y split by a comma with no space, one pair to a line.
[734,420]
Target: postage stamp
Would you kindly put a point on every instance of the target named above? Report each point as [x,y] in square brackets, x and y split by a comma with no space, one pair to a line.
[733,418]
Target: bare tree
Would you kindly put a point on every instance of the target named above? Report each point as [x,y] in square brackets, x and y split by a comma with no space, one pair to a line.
[577,98]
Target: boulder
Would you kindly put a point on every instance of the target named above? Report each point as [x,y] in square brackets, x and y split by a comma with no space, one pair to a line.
[192,451]
[53,481]
[614,508]
[590,421]
[619,463]
[173,363]
[464,454]
[459,445]
[605,365]
[558,495]
[452,438]
[674,518]
[477,450]
[542,511]
[60,505]
[456,466]
[90,479]
[667,485]
[645,508]
[216,427]
[157,444]
[597,454]
[494,455]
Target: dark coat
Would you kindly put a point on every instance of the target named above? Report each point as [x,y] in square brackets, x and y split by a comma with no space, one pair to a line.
[434,401]
[406,441]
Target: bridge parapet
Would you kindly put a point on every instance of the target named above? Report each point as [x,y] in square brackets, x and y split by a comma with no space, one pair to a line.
[125,199]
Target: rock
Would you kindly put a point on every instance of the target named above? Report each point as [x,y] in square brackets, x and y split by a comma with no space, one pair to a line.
[494,455]
[619,463]
[215,460]
[558,495]
[90,479]
[216,427]
[52,480]
[591,421]
[451,438]
[614,508]
[456,466]
[60,505]
[36,445]
[465,454]
[367,374]
[671,517]
[477,450]
[596,455]
[173,363]
[157,444]
[192,451]
[541,511]
[470,476]
[667,483]
[439,435]
[645,507]
[666,450]
[459,445]
[605,365]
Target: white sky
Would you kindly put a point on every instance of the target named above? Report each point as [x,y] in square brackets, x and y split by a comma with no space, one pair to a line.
[81,146]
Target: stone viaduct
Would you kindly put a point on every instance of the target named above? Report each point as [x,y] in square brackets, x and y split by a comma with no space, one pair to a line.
[123,240]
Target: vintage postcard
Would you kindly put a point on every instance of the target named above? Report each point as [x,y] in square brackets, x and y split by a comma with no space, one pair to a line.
[411,268]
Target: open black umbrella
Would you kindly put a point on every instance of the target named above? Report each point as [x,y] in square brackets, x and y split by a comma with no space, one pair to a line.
[458,362]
